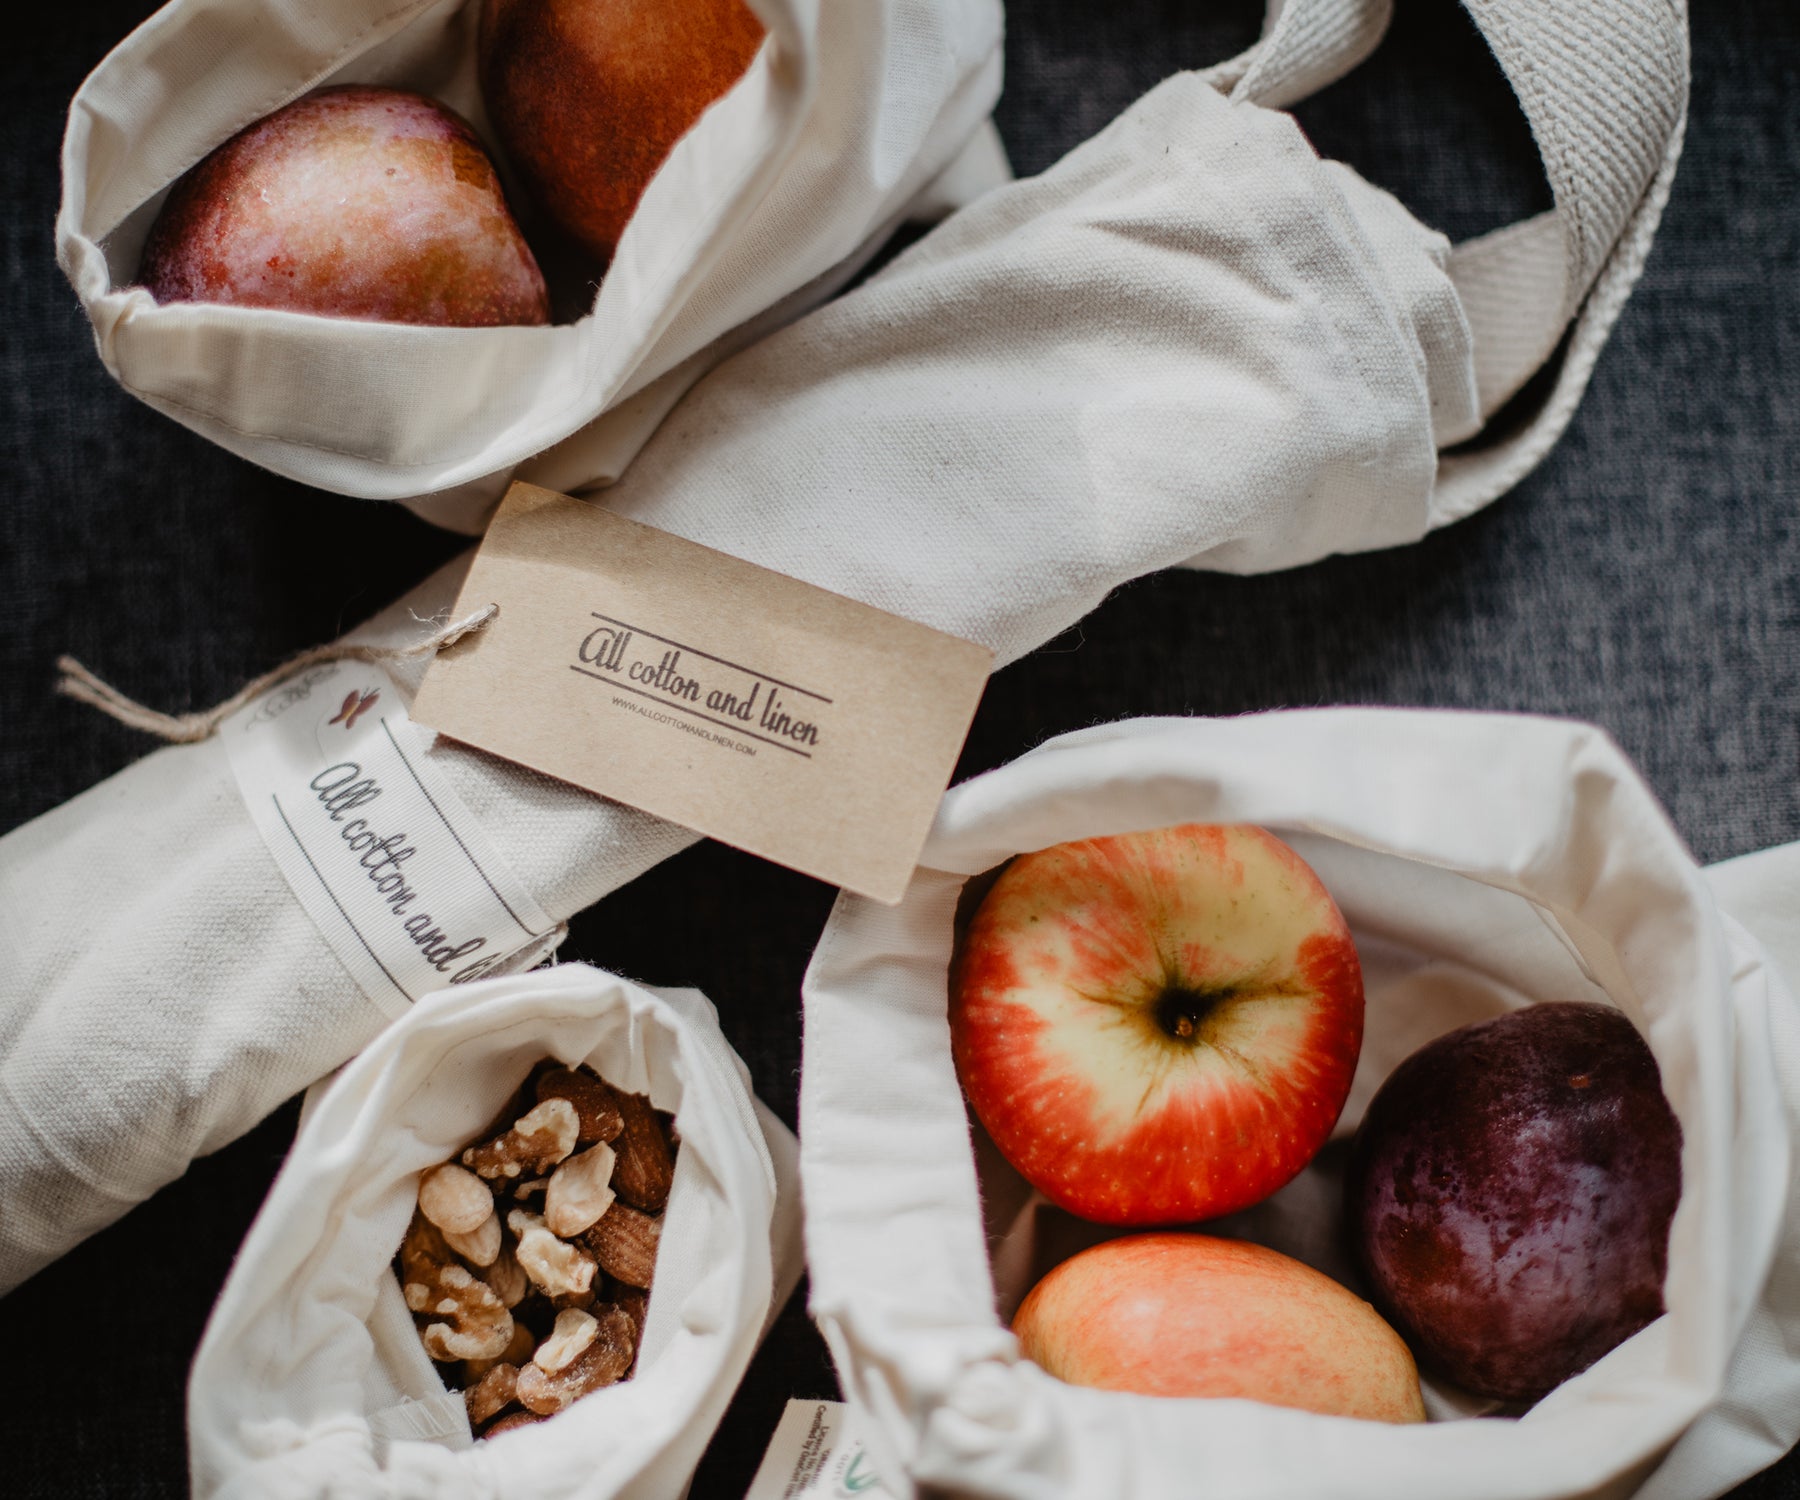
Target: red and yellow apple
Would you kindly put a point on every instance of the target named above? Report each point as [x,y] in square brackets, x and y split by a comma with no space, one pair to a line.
[1192,1315]
[353,202]
[1157,1027]
[590,96]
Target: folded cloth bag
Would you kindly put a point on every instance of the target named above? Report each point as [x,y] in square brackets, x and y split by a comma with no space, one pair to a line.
[1191,339]
[1483,863]
[310,1378]
[848,113]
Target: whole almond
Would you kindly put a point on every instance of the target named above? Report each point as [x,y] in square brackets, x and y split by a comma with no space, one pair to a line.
[596,1102]
[624,1241]
[645,1167]
[634,1302]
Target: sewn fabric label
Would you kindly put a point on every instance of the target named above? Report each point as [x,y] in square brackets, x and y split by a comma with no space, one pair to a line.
[817,1455]
[385,857]
[778,717]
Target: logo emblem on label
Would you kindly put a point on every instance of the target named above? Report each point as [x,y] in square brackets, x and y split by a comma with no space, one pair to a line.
[816,1454]
[357,702]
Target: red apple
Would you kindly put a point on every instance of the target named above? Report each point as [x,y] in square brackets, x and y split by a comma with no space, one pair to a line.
[1191,1315]
[352,202]
[589,96]
[1158,1027]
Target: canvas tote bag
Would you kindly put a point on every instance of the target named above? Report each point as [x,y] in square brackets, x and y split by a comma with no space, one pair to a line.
[1483,862]
[1189,339]
[311,1380]
[848,113]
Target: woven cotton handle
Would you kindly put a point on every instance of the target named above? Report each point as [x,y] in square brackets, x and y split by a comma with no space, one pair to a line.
[1603,84]
[1305,45]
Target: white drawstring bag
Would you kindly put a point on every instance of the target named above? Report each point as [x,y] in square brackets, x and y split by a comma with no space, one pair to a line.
[1189,340]
[1483,862]
[311,1380]
[847,115]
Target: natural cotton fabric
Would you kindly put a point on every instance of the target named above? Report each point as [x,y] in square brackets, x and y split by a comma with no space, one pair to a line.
[310,1379]
[849,112]
[1483,863]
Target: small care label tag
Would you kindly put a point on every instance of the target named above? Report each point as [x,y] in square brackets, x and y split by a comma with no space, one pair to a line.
[385,857]
[777,717]
[816,1454]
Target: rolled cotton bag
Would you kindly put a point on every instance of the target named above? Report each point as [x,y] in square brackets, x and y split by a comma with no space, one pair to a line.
[166,987]
[311,1378]
[851,111]
[1191,340]
[1483,863]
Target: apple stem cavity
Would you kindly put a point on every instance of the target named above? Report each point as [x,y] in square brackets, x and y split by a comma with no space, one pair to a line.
[1129,1016]
[1180,1010]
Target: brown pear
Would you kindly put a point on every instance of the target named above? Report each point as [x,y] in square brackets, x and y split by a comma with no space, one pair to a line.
[351,202]
[589,96]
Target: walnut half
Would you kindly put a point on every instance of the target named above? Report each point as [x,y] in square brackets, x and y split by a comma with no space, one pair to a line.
[468,1320]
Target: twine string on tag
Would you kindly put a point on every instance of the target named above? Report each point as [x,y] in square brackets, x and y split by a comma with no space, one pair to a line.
[79,683]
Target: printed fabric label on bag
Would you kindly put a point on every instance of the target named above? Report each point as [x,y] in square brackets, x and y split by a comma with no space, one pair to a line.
[816,1454]
[385,857]
[781,718]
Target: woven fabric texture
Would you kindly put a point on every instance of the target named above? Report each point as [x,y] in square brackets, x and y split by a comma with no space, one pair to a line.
[1646,577]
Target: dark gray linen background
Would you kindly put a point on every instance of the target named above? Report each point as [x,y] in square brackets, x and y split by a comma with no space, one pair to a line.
[1643,578]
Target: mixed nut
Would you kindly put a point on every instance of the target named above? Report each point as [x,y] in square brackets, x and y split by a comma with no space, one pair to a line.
[529,1259]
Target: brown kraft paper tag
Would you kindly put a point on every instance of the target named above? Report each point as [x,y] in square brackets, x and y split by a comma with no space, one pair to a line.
[774,716]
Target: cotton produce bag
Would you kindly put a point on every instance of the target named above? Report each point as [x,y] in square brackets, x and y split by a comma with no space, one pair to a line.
[1189,340]
[1483,863]
[311,1380]
[848,113]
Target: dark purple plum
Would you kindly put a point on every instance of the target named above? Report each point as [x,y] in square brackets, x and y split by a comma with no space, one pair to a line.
[1509,1196]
